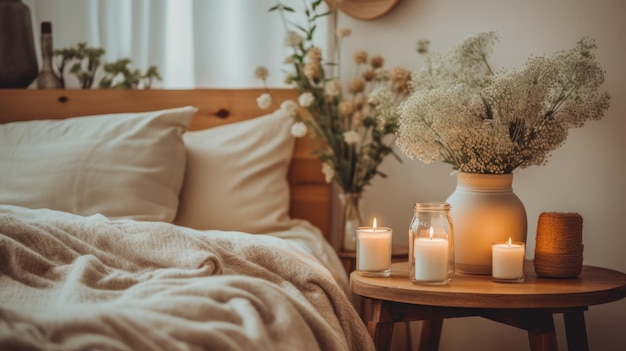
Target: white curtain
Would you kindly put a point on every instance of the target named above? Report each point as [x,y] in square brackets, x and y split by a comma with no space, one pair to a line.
[194,43]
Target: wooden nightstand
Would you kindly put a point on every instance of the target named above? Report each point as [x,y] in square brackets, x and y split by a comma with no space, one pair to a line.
[348,258]
[529,305]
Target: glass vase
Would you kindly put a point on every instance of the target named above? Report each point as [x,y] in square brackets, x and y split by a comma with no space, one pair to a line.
[350,220]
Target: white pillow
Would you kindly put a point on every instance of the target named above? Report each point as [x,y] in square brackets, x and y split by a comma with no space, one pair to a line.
[127,165]
[236,177]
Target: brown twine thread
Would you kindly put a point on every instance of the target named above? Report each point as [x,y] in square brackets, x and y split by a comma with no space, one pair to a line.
[559,245]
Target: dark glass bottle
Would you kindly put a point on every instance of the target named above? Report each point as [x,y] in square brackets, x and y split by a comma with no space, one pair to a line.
[47,79]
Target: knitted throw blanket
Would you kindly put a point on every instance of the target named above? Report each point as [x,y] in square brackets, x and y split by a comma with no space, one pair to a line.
[86,283]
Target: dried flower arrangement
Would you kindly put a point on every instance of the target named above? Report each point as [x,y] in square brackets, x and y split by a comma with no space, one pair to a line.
[464,113]
[356,128]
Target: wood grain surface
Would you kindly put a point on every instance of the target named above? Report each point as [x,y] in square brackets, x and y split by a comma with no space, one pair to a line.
[594,286]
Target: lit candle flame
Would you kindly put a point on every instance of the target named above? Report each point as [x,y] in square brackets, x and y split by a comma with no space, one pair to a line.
[509,241]
[374,224]
[432,231]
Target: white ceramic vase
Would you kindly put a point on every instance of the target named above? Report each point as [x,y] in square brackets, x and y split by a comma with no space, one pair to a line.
[484,209]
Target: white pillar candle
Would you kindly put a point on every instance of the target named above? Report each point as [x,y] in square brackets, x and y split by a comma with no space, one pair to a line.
[373,248]
[508,260]
[431,258]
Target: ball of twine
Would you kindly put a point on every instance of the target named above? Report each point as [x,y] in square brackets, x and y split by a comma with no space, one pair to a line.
[559,245]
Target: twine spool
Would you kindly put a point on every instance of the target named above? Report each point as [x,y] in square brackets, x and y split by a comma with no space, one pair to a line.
[559,245]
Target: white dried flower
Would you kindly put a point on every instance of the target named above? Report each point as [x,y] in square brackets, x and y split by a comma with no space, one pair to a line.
[333,87]
[264,101]
[329,172]
[306,99]
[351,137]
[289,107]
[299,129]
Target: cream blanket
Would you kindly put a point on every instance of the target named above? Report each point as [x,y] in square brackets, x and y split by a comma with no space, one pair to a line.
[86,283]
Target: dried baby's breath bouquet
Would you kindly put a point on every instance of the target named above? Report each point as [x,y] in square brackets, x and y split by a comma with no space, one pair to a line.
[479,120]
[355,125]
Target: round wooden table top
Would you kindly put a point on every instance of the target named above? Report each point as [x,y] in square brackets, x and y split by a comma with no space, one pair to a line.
[592,287]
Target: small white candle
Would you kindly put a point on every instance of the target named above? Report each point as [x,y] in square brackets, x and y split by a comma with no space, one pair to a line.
[508,260]
[373,248]
[431,258]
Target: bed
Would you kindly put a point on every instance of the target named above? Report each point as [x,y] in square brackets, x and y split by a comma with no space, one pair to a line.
[164,220]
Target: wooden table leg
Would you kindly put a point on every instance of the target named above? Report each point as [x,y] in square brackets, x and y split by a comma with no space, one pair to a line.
[538,323]
[542,341]
[575,330]
[381,333]
[431,334]
[409,336]
[380,326]
[540,328]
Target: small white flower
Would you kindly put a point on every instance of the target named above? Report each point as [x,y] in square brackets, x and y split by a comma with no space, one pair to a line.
[329,172]
[333,87]
[299,129]
[380,94]
[264,101]
[289,107]
[306,99]
[351,137]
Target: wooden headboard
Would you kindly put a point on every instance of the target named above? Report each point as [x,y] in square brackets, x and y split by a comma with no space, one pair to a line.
[310,194]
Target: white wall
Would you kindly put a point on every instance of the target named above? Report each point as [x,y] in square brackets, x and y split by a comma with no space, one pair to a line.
[584,176]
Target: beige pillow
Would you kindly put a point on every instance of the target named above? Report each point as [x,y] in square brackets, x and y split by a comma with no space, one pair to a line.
[236,177]
[127,165]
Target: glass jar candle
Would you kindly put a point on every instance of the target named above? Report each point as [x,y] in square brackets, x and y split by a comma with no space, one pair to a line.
[373,251]
[431,244]
[508,261]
